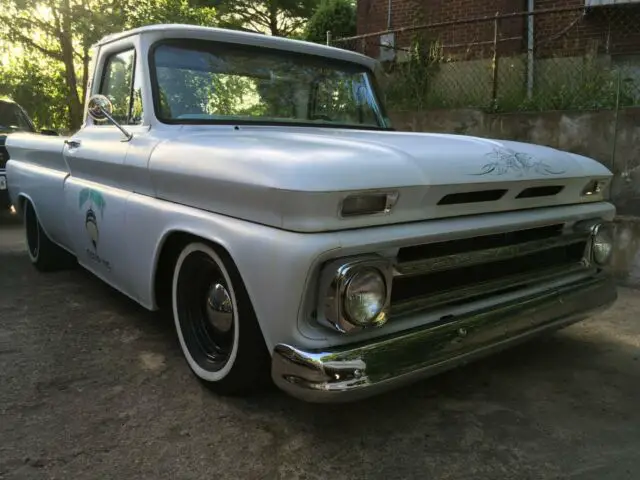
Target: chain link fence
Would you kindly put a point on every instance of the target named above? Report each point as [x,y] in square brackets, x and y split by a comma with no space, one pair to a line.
[554,59]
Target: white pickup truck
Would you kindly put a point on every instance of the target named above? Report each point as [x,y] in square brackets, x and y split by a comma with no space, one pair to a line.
[253,186]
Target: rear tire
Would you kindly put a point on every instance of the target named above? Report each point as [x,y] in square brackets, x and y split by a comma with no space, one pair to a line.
[216,325]
[45,255]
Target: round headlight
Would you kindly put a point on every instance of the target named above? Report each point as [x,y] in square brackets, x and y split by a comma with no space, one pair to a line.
[365,296]
[602,246]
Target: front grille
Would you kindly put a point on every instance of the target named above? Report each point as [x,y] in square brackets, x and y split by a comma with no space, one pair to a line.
[4,155]
[459,271]
[484,242]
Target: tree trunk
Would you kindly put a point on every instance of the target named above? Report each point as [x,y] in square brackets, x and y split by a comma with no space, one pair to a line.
[66,45]
[85,74]
[273,18]
[75,107]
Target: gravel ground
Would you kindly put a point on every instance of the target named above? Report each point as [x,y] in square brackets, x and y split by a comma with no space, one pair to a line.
[92,386]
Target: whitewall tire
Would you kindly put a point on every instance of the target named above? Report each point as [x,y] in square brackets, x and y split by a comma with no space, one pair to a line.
[45,255]
[216,326]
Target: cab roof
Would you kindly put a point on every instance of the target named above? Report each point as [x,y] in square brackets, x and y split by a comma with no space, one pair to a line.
[240,37]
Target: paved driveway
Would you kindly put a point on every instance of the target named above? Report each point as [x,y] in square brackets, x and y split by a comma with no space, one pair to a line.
[92,386]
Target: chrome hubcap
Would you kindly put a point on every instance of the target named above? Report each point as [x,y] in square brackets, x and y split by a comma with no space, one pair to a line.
[219,308]
[205,311]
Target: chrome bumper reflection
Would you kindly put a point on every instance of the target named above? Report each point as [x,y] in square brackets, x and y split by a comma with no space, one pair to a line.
[353,372]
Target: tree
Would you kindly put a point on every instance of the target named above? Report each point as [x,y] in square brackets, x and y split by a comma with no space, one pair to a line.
[278,17]
[34,82]
[63,31]
[335,16]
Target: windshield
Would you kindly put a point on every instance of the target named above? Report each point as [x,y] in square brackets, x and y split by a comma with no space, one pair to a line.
[208,82]
[13,118]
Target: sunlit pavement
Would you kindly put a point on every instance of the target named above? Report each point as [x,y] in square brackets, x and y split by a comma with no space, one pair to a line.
[92,386]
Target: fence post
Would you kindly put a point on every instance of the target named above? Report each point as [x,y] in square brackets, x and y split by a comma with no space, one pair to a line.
[615,126]
[328,38]
[530,47]
[494,64]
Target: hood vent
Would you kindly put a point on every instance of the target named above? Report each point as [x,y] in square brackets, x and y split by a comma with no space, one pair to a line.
[546,191]
[494,195]
[472,197]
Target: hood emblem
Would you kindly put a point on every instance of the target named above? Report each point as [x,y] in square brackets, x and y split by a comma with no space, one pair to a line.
[505,160]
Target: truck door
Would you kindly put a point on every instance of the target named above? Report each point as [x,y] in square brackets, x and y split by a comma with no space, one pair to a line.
[95,199]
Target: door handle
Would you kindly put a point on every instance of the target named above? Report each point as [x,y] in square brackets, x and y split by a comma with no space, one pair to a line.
[72,143]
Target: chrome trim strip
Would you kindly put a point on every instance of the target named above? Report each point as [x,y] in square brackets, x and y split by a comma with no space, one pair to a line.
[356,371]
[515,281]
[468,259]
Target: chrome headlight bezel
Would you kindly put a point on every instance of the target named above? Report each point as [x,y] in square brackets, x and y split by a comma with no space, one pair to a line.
[594,228]
[333,289]
[602,232]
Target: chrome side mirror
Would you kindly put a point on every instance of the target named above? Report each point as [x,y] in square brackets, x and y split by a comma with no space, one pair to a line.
[100,109]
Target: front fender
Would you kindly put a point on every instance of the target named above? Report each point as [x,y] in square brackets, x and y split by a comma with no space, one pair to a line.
[274,264]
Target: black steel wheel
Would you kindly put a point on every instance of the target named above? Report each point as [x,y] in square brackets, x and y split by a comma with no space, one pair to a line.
[45,255]
[32,230]
[216,326]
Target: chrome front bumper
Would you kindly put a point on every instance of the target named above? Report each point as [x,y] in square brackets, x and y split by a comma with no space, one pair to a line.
[356,371]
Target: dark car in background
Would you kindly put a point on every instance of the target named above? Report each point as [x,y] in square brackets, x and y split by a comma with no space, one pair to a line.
[13,118]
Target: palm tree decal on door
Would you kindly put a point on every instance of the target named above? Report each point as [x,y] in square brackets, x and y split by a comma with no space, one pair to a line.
[96,203]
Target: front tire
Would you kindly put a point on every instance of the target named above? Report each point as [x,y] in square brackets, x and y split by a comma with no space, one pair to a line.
[216,325]
[45,255]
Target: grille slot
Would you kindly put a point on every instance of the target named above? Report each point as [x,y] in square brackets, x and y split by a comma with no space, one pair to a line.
[453,247]
[472,197]
[546,191]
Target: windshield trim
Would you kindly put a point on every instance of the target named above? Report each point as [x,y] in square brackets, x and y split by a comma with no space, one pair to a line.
[370,76]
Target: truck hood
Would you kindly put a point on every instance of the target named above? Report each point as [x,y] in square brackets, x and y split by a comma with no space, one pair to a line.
[295,178]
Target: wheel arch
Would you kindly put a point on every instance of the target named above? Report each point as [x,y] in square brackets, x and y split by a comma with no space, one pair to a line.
[167,253]
[23,198]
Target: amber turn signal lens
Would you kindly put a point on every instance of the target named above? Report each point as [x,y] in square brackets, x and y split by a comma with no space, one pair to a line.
[594,187]
[368,204]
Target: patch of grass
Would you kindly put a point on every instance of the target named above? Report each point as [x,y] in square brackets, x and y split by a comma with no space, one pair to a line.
[427,79]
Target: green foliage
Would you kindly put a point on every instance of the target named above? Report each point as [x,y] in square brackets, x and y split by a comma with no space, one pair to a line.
[35,83]
[426,79]
[48,73]
[335,16]
[55,39]
[149,12]
[409,82]
[277,17]
[578,83]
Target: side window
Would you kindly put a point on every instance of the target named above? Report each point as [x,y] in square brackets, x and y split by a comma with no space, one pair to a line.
[118,86]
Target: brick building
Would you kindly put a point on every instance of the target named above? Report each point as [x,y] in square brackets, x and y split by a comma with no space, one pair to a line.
[604,26]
